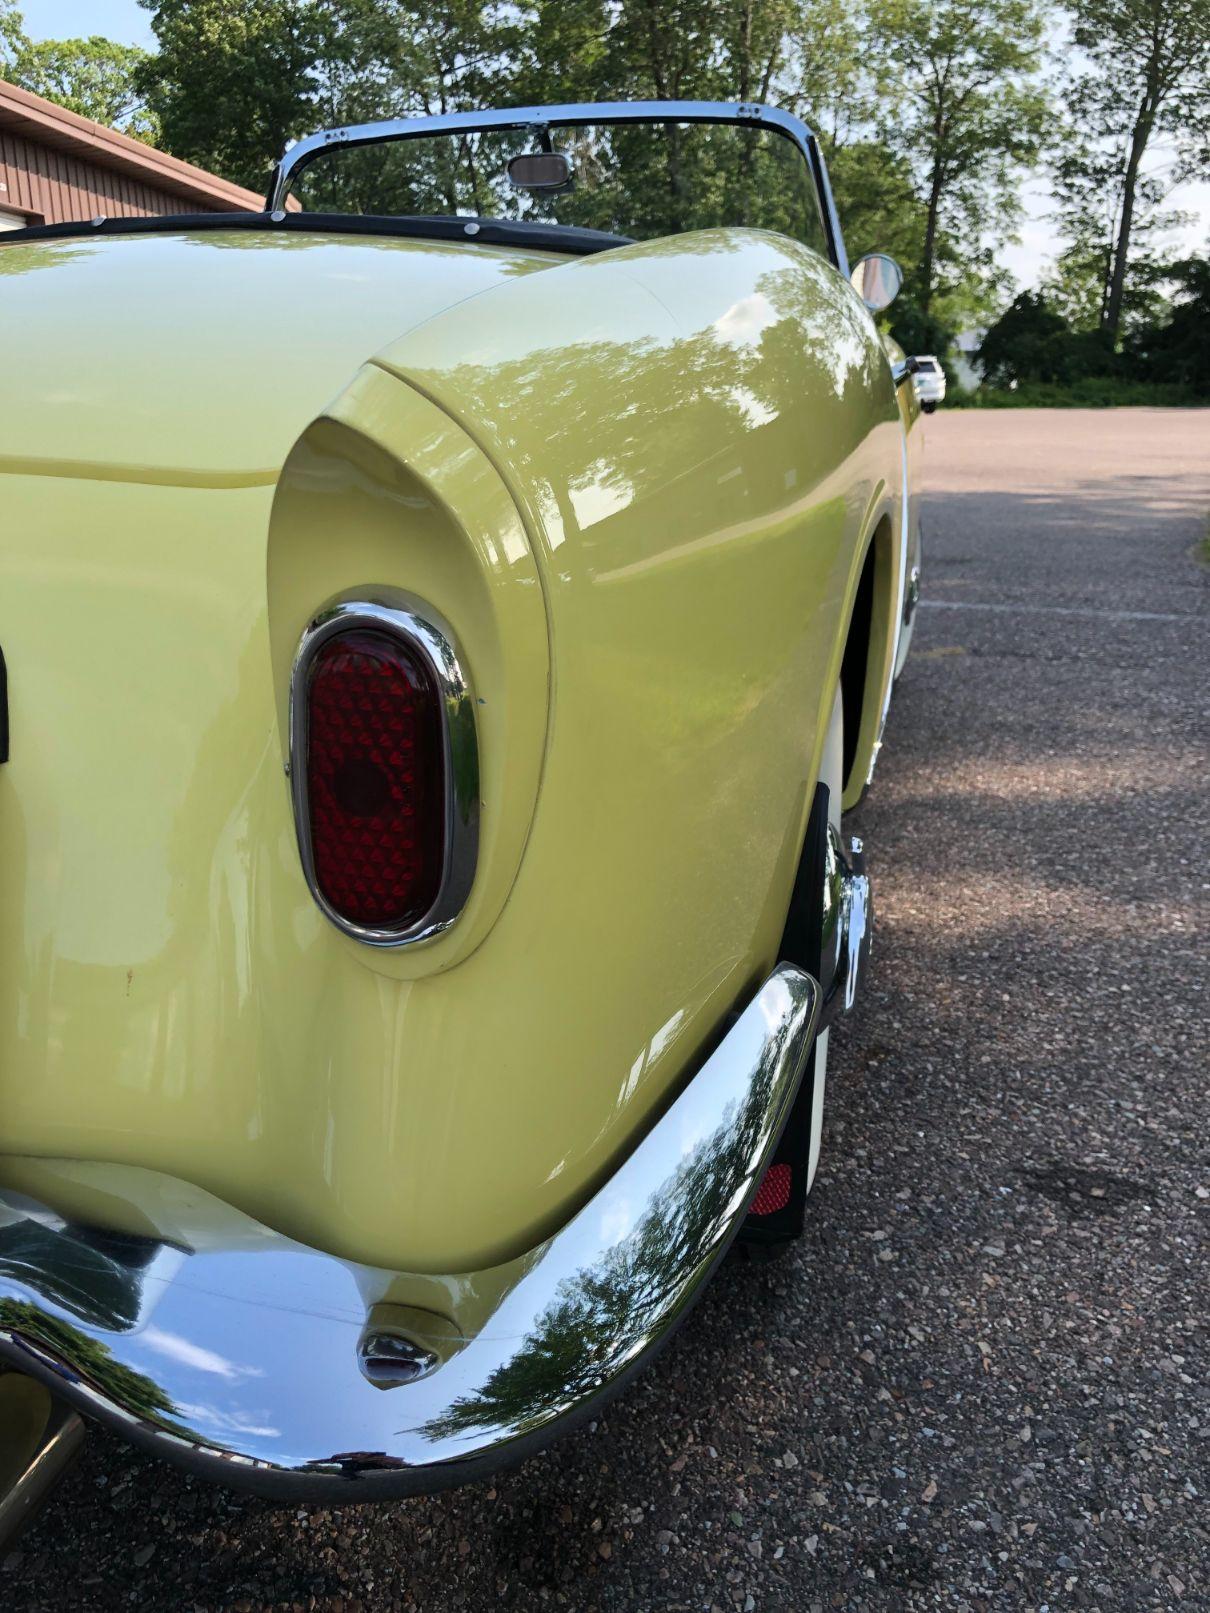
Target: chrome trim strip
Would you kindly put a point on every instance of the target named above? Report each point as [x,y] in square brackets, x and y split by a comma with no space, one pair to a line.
[418,629]
[268,1365]
[571,115]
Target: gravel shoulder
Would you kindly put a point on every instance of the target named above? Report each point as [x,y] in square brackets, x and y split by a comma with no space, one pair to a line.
[981,1382]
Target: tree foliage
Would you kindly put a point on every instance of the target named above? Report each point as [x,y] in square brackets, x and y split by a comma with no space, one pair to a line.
[287,66]
[1032,342]
[13,37]
[1144,78]
[233,80]
[94,77]
[1176,347]
[967,114]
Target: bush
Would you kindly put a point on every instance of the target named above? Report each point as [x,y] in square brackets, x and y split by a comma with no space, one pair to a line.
[1093,392]
[1032,357]
[1178,350]
[1030,342]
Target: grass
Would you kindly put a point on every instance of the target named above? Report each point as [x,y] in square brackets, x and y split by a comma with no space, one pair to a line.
[1091,393]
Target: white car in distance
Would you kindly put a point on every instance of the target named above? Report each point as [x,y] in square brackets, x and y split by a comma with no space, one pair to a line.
[929,380]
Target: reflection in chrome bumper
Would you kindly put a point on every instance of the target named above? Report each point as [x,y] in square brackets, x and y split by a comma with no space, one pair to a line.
[266,1364]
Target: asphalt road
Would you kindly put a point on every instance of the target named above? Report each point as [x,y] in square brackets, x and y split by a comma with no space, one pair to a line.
[982,1381]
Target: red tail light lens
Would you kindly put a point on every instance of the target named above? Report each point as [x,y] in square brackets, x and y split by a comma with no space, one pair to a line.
[774,1191]
[375,777]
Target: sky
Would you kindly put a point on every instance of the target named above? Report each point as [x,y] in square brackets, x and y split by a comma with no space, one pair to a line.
[127,22]
[123,20]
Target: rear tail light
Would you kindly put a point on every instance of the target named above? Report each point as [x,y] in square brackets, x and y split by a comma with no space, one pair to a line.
[385,772]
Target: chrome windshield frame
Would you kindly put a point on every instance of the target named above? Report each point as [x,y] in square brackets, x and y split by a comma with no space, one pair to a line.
[572,115]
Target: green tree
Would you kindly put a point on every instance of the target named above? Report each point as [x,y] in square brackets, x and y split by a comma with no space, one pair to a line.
[1176,348]
[94,77]
[1145,76]
[562,52]
[446,56]
[829,76]
[1026,343]
[288,66]
[234,80]
[877,202]
[967,114]
[13,38]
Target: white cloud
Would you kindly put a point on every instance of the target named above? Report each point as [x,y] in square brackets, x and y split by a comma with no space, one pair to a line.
[208,1419]
[195,1356]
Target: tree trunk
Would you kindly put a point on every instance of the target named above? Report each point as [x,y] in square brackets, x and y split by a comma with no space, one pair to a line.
[1111,324]
[745,55]
[747,140]
[936,185]
[930,239]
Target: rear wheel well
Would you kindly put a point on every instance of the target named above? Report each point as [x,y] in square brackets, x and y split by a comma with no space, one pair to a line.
[856,661]
[859,678]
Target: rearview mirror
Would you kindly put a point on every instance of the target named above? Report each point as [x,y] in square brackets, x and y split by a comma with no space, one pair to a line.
[877,280]
[541,170]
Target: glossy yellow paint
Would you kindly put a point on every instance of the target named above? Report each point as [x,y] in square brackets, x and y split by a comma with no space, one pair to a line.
[639,487]
[386,470]
[24,1412]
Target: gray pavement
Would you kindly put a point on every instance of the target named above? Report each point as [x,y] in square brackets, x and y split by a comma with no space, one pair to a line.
[982,1381]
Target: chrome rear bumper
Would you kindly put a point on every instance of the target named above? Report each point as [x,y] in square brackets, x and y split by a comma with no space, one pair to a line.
[240,1354]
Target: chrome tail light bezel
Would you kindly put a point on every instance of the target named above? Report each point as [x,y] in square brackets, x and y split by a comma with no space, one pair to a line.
[421,632]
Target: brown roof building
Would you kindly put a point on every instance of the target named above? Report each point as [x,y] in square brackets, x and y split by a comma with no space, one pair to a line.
[55,165]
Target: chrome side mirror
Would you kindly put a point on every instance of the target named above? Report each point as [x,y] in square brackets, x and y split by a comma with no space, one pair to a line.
[877,280]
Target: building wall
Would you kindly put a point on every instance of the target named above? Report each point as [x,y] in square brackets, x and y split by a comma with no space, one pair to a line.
[52,186]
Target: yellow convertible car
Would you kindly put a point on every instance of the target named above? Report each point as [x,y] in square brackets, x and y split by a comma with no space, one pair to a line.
[443,617]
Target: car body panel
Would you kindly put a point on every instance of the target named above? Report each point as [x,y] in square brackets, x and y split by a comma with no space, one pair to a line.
[223,346]
[641,489]
[730,332]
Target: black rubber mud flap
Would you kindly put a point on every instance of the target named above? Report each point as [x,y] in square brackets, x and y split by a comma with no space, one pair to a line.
[779,1209]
